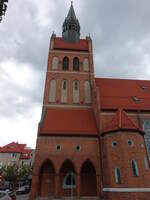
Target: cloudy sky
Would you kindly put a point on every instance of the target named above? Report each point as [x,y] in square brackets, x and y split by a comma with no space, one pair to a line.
[120,31]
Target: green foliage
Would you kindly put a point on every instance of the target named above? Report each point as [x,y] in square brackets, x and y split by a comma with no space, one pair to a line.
[25,171]
[13,173]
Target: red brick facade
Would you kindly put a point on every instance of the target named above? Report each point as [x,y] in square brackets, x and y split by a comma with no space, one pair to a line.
[94,147]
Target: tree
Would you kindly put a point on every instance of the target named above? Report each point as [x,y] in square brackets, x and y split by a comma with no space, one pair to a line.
[14,173]
[25,172]
[11,174]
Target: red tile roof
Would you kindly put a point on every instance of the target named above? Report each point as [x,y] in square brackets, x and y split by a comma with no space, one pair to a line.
[121,122]
[10,148]
[14,147]
[69,121]
[59,43]
[120,93]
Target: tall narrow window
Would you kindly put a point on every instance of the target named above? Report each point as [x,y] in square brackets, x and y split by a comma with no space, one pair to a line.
[64,85]
[146,163]
[86,64]
[52,91]
[64,91]
[146,127]
[134,168]
[87,92]
[65,63]
[76,98]
[76,64]
[117,175]
[55,63]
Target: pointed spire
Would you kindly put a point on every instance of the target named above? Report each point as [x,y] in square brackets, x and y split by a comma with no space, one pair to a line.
[71,14]
[71,26]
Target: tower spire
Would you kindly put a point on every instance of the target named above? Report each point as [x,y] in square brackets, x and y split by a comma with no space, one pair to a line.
[71,26]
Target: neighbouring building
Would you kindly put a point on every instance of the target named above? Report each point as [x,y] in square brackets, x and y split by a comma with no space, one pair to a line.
[16,153]
[93,133]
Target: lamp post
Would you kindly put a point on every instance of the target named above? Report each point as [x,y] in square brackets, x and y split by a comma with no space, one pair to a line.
[3,8]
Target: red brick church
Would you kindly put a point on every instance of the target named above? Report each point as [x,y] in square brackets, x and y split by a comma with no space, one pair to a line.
[93,136]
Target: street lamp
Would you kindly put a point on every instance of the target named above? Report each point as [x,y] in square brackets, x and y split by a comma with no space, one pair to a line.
[3,8]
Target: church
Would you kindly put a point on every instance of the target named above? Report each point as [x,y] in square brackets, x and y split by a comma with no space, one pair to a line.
[94,134]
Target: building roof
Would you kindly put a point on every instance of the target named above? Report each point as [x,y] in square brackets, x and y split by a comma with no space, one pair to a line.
[71,14]
[60,44]
[15,147]
[121,121]
[123,93]
[12,147]
[69,121]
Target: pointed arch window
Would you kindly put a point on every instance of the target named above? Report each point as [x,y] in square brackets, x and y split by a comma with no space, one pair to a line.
[117,175]
[146,163]
[87,92]
[64,85]
[76,92]
[55,62]
[76,64]
[86,64]
[69,181]
[76,85]
[135,168]
[64,91]
[52,91]
[65,63]
[146,127]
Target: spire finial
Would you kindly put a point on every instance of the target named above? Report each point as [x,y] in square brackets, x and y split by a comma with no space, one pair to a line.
[71,2]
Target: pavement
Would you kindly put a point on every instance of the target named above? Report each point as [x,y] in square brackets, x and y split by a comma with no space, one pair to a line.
[23,197]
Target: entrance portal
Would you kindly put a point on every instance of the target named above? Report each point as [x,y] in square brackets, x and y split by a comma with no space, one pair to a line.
[88,180]
[47,180]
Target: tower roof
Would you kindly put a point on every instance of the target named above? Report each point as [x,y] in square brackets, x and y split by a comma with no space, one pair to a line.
[71,27]
[71,14]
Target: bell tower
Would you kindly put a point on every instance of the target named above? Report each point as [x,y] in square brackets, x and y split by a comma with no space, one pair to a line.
[70,72]
[67,132]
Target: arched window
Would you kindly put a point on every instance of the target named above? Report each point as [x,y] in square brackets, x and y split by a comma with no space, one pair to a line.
[146,163]
[146,127]
[117,175]
[134,168]
[86,64]
[76,64]
[55,63]
[66,63]
[52,91]
[76,98]
[64,91]
[64,85]
[69,181]
[87,92]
